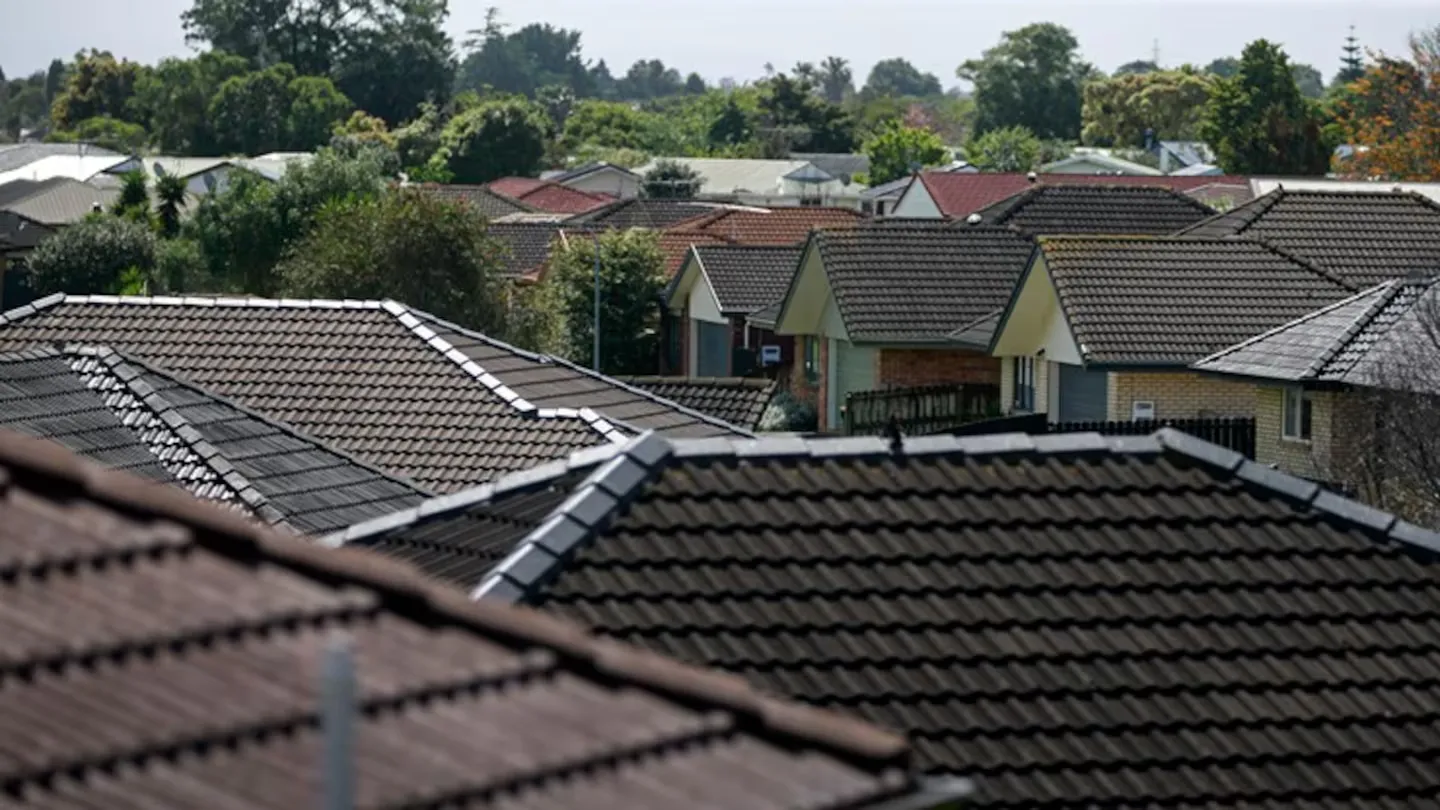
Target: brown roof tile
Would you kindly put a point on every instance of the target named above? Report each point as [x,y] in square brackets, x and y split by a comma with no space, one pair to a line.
[646,213]
[489,203]
[158,652]
[775,226]
[1172,301]
[543,195]
[1077,621]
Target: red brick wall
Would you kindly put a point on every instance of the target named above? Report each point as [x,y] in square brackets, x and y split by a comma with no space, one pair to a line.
[907,367]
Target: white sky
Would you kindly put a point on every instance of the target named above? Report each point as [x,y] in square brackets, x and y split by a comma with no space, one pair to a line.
[735,38]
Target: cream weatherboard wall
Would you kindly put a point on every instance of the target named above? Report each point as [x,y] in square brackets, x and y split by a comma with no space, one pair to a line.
[704,316]
[916,203]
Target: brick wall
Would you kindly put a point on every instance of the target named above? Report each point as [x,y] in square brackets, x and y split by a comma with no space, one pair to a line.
[801,387]
[1310,459]
[908,367]
[1179,395]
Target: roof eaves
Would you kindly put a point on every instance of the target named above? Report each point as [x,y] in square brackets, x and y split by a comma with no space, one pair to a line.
[574,524]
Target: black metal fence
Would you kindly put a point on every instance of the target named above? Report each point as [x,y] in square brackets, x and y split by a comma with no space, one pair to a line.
[920,410]
[1237,434]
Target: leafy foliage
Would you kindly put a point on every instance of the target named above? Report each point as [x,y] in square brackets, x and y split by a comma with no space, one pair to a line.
[671,180]
[1032,79]
[180,268]
[174,98]
[498,138]
[795,119]
[105,132]
[897,77]
[1394,111]
[897,150]
[1118,111]
[276,110]
[1012,149]
[650,78]
[631,280]
[525,60]
[98,255]
[169,199]
[1137,67]
[1258,123]
[406,245]
[837,80]
[1308,80]
[134,200]
[99,86]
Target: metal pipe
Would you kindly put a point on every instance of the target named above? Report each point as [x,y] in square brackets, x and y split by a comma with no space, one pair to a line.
[595,351]
[337,723]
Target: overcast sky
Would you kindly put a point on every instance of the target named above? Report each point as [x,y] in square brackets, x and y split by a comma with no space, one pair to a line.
[735,38]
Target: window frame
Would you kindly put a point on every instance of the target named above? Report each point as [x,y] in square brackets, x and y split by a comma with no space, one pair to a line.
[811,358]
[1022,398]
[1297,414]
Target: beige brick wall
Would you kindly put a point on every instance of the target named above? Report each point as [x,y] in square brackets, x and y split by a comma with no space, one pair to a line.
[907,367]
[1310,459]
[1179,395]
[1042,385]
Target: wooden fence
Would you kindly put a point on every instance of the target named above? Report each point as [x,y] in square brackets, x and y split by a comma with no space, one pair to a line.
[1236,434]
[920,410]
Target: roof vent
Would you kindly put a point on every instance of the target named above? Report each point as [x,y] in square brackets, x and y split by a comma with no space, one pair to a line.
[1032,177]
[1398,190]
[974,219]
[96,207]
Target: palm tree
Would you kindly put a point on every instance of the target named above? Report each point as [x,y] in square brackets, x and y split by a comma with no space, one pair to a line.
[836,79]
[170,193]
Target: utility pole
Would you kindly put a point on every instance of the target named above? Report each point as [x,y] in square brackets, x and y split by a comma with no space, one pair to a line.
[1155,54]
[595,352]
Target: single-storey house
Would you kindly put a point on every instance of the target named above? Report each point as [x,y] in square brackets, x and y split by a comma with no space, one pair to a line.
[708,300]
[599,178]
[767,182]
[956,195]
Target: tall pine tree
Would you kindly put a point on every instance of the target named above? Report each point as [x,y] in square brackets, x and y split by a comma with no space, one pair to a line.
[1352,63]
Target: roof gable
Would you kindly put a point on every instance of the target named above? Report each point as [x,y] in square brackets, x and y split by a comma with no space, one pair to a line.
[1099,209]
[1171,301]
[235,626]
[746,278]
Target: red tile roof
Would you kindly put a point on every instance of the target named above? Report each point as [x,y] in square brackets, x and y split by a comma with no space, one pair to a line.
[959,195]
[777,226]
[549,197]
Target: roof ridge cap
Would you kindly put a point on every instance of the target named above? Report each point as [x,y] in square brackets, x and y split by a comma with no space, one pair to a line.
[1389,294]
[1284,326]
[165,412]
[1303,262]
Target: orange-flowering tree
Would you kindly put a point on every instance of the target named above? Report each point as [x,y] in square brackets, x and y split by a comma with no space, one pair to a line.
[1393,112]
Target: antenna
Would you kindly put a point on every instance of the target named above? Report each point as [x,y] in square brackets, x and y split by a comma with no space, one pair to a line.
[337,723]
[1155,53]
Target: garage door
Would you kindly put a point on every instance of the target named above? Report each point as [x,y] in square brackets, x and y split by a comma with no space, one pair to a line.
[712,350]
[1083,394]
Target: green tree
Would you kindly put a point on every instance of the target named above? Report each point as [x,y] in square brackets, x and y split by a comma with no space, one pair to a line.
[169,200]
[1033,79]
[1257,122]
[1135,67]
[671,180]
[650,78]
[1118,111]
[1308,80]
[134,200]
[1225,67]
[897,77]
[419,139]
[1352,64]
[794,118]
[1012,149]
[837,80]
[732,128]
[525,60]
[180,268]
[500,138]
[98,255]
[631,280]
[249,112]
[450,263]
[121,136]
[173,99]
[695,84]
[55,78]
[897,150]
[25,104]
[605,123]
[99,85]
[390,70]
[316,108]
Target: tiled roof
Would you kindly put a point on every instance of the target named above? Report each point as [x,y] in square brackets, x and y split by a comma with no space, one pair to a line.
[644,213]
[959,194]
[917,281]
[543,195]
[1168,301]
[483,200]
[775,226]
[128,415]
[528,243]
[1364,236]
[737,400]
[1076,621]
[748,277]
[674,246]
[766,316]
[160,653]
[61,201]
[1065,209]
[1358,341]
[365,376]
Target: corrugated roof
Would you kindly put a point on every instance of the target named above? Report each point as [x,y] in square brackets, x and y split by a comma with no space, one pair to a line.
[62,201]
[19,155]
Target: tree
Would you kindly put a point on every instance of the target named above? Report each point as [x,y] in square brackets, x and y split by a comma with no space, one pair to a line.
[1393,110]
[631,280]
[1225,67]
[408,246]
[732,128]
[1033,79]
[1139,66]
[169,199]
[98,86]
[500,138]
[1352,64]
[173,99]
[25,104]
[605,123]
[1119,111]
[695,84]
[391,70]
[1308,80]
[134,200]
[795,119]
[897,150]
[249,112]
[1013,149]
[1258,123]
[180,268]
[649,78]
[523,61]
[837,81]
[671,180]
[105,132]
[897,77]
[98,255]
[316,108]
[55,78]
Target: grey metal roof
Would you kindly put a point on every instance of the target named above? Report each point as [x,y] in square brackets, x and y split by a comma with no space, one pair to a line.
[62,201]
[19,155]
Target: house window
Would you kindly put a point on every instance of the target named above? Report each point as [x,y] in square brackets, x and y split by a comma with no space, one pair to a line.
[1024,368]
[1297,415]
[812,358]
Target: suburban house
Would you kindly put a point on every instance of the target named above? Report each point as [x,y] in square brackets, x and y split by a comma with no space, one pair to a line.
[411,394]
[599,178]
[543,195]
[1071,621]
[238,661]
[1265,185]
[131,416]
[481,199]
[82,166]
[657,214]
[956,195]
[844,166]
[1105,328]
[767,182]
[1364,237]
[1317,379]
[30,213]
[879,305]
[202,175]
[706,305]
[19,155]
[769,226]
